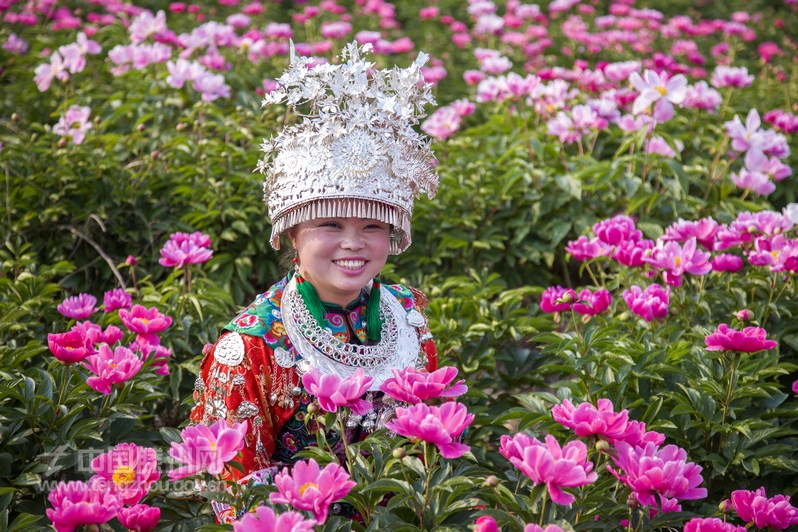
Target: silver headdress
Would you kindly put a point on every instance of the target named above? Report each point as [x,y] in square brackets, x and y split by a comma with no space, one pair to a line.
[355,153]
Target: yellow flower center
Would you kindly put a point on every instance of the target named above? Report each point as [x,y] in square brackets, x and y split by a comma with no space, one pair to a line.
[144,320]
[213,446]
[678,261]
[775,254]
[124,475]
[304,487]
[662,90]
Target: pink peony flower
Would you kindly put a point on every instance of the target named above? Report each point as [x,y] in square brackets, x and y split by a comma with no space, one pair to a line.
[207,448]
[47,72]
[549,464]
[587,420]
[726,76]
[15,44]
[495,65]
[585,249]
[139,518]
[753,140]
[412,386]
[773,168]
[178,255]
[660,146]
[333,392]
[616,230]
[160,355]
[116,299]
[78,307]
[472,77]
[631,253]
[532,527]
[650,303]
[571,128]
[678,260]
[145,322]
[654,89]
[711,524]
[703,230]
[463,106]
[70,347]
[748,225]
[726,263]
[637,435]
[621,71]
[629,123]
[701,96]
[95,334]
[795,387]
[753,507]
[75,504]
[211,87]
[557,299]
[443,123]
[127,470]
[183,71]
[308,487]
[437,425]
[749,340]
[757,182]
[111,367]
[335,30]
[650,471]
[485,523]
[265,520]
[592,304]
[774,252]
[145,25]
[75,123]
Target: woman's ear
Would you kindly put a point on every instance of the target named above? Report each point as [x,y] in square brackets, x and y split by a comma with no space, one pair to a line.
[292,236]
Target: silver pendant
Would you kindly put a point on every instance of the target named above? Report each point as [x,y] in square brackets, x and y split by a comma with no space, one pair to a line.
[284,359]
[415,318]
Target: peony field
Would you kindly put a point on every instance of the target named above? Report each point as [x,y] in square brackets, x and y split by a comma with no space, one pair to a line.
[610,262]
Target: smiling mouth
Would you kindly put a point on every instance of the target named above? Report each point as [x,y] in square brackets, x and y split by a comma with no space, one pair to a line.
[350,264]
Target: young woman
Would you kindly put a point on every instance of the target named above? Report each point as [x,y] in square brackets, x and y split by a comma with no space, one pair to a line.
[340,186]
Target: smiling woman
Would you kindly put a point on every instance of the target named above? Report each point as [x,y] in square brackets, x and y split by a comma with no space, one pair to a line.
[340,186]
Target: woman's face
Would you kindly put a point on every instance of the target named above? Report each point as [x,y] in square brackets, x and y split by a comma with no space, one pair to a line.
[338,256]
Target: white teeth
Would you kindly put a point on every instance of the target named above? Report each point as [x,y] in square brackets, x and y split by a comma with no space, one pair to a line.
[350,264]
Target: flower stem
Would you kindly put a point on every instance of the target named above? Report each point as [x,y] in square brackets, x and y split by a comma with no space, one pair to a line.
[350,466]
[543,506]
[64,383]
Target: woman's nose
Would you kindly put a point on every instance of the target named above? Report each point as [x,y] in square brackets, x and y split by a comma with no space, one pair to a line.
[353,239]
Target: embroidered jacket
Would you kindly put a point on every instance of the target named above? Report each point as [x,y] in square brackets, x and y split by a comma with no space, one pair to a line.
[254,387]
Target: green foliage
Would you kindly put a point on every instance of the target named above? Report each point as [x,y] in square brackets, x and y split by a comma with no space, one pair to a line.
[159,160]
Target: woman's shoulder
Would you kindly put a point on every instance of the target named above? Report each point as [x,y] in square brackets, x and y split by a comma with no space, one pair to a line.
[409,297]
[259,317]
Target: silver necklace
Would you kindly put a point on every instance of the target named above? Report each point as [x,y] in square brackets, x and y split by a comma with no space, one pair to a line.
[398,347]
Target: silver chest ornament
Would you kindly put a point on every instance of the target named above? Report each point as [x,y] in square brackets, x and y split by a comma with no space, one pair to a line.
[415,318]
[230,349]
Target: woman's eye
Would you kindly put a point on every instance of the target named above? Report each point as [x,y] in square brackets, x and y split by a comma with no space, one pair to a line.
[330,224]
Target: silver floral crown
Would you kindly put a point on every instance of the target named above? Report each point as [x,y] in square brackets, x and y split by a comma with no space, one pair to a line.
[355,153]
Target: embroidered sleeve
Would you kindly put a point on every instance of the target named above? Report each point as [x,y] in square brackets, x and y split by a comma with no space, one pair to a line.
[237,382]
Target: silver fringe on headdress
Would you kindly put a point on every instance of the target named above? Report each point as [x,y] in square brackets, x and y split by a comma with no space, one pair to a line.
[355,153]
